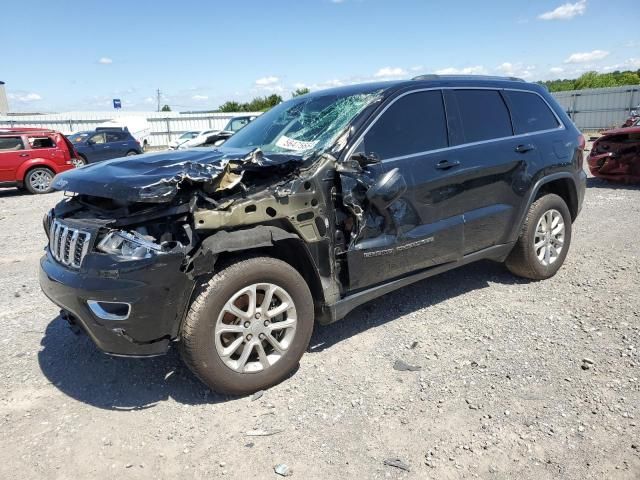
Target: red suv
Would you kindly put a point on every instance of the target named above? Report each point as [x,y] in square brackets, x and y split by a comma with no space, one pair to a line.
[31,157]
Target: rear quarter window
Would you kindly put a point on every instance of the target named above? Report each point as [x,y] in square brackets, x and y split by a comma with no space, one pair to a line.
[479,114]
[41,142]
[530,112]
[9,144]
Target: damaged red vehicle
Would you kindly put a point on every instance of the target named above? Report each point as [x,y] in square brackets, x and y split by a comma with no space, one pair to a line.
[615,155]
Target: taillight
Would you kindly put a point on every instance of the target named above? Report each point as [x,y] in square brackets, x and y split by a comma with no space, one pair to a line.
[581,142]
[581,146]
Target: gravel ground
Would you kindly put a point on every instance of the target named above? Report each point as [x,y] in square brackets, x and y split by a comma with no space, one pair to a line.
[517,379]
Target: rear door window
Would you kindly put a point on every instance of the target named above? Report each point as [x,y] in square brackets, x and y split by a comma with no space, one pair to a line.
[98,138]
[415,123]
[480,114]
[530,112]
[10,144]
[41,142]
[116,137]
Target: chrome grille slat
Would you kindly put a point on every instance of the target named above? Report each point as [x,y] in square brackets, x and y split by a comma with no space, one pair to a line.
[68,245]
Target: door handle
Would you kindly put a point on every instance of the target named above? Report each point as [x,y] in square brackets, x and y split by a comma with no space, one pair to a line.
[525,148]
[23,155]
[446,164]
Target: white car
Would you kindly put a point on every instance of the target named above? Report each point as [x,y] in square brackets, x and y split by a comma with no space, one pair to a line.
[185,137]
[217,137]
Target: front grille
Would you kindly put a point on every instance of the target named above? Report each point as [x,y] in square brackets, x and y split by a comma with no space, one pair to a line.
[68,245]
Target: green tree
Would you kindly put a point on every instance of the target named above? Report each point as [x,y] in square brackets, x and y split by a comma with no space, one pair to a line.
[595,80]
[166,108]
[231,107]
[300,91]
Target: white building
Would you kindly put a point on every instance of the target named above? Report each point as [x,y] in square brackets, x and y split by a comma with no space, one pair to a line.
[4,104]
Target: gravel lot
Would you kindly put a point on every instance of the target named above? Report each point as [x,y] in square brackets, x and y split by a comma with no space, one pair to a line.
[518,379]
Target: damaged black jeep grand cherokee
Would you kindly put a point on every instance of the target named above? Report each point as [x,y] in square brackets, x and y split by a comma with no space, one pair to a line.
[324,202]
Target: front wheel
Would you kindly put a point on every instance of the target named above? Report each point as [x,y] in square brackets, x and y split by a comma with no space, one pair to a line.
[248,326]
[544,240]
[38,180]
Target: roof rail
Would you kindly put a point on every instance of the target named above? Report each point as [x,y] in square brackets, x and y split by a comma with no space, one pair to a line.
[433,76]
[24,130]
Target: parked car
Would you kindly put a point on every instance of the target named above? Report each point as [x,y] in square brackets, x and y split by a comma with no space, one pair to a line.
[321,204]
[104,143]
[30,157]
[615,156]
[215,138]
[174,144]
[138,126]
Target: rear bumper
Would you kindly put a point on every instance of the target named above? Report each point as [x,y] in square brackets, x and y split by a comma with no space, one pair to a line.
[156,290]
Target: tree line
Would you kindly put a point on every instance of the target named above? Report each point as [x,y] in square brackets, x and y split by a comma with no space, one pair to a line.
[595,80]
[258,104]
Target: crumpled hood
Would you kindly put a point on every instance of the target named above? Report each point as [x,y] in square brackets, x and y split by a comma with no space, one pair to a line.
[157,177]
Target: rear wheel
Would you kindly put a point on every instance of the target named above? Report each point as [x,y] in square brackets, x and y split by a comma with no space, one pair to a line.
[38,180]
[79,162]
[248,326]
[544,240]
[131,153]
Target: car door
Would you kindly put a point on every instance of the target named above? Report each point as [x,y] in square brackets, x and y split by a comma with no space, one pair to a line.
[116,145]
[45,148]
[419,229]
[96,147]
[494,163]
[12,155]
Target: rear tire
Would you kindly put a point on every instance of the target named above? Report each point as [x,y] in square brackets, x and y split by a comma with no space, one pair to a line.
[233,340]
[544,240]
[38,180]
[131,153]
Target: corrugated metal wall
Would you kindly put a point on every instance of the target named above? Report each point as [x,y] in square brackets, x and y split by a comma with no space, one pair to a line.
[165,126]
[596,108]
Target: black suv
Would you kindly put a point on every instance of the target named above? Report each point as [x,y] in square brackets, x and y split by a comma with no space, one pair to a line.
[324,202]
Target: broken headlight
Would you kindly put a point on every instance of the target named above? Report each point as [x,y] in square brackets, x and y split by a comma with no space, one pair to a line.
[129,245]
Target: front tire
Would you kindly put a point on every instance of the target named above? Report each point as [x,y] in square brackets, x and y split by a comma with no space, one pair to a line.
[544,240]
[248,326]
[38,180]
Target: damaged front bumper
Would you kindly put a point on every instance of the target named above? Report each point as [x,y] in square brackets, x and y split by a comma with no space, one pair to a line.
[131,308]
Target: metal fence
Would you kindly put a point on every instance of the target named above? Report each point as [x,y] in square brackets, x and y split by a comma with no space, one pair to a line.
[597,108]
[165,126]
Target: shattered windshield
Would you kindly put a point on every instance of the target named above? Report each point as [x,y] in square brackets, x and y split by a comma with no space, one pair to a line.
[310,123]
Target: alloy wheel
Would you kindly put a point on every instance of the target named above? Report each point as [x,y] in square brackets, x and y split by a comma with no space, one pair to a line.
[548,240]
[40,180]
[255,328]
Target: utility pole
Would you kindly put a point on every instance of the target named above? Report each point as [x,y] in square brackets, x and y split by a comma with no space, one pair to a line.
[158,97]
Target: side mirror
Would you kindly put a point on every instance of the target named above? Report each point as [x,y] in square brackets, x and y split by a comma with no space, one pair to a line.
[365,159]
[387,189]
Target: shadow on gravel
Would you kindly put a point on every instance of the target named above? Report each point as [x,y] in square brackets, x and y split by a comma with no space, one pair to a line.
[77,368]
[409,299]
[594,182]
[11,192]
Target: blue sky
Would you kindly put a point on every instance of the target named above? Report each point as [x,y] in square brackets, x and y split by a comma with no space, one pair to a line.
[78,55]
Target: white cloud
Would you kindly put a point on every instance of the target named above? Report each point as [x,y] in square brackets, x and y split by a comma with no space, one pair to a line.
[584,57]
[556,70]
[566,11]
[417,68]
[515,70]
[105,61]
[24,97]
[390,72]
[476,70]
[199,97]
[267,81]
